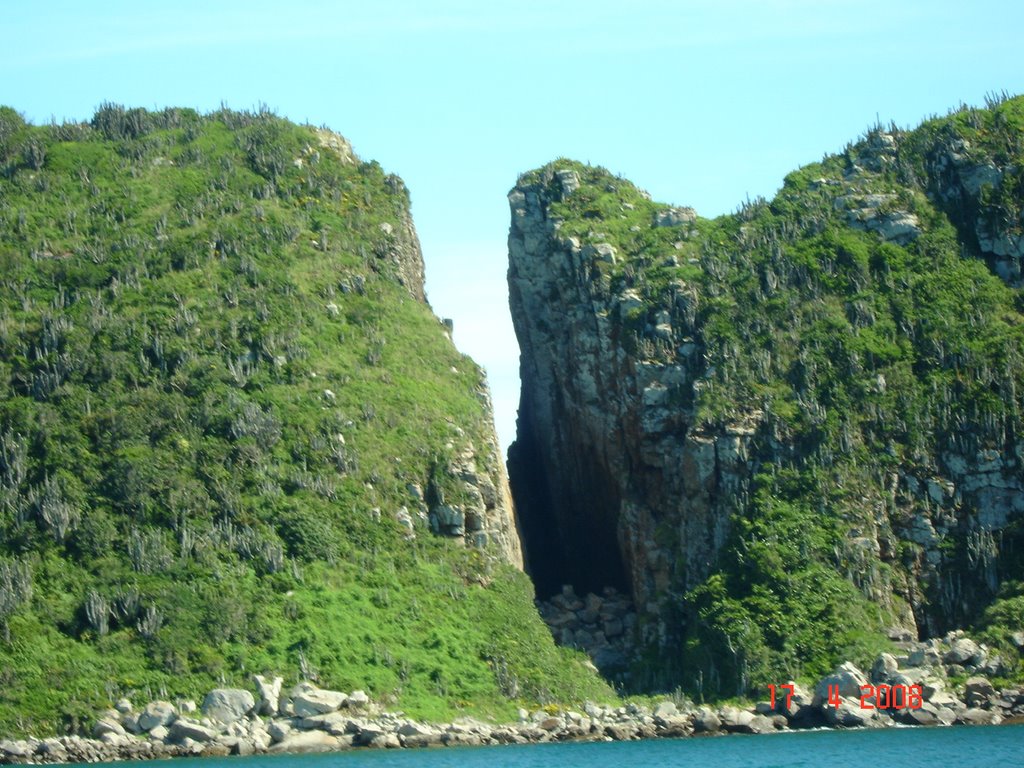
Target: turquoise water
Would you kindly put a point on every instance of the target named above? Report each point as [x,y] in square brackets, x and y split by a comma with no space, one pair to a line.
[983,747]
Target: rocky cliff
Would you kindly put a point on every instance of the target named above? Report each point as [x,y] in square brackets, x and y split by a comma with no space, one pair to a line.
[788,431]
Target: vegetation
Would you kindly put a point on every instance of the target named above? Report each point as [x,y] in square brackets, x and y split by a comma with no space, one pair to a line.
[215,394]
[870,362]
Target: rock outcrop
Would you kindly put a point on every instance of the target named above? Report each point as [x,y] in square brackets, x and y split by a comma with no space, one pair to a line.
[606,452]
[683,379]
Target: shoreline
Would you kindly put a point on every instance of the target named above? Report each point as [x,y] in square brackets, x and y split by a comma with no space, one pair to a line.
[350,729]
[308,719]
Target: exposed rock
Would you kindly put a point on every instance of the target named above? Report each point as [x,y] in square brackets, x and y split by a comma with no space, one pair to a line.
[884,668]
[977,717]
[15,748]
[302,742]
[600,626]
[963,651]
[357,699]
[620,731]
[706,721]
[279,730]
[673,217]
[926,714]
[228,704]
[183,728]
[847,678]
[156,713]
[978,691]
[665,710]
[878,214]
[309,700]
[848,714]
[335,723]
[269,694]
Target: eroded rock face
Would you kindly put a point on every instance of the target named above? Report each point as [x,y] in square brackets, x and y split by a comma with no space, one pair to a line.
[468,497]
[606,459]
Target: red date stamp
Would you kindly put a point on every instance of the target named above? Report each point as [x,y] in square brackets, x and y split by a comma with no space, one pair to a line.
[871,696]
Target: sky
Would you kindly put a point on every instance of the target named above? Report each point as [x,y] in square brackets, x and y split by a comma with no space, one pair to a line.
[700,102]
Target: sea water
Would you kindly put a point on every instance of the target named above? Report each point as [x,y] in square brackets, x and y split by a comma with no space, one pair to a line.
[954,747]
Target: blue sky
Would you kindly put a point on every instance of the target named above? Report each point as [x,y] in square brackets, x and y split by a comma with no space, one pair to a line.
[702,103]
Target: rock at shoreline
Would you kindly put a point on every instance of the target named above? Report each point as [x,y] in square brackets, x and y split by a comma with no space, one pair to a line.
[226,705]
[308,700]
[156,713]
[847,678]
[300,742]
[269,694]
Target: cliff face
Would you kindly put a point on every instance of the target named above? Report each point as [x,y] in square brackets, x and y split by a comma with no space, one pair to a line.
[601,455]
[815,395]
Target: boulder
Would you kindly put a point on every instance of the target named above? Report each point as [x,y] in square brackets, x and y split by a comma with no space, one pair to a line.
[183,728]
[107,725]
[226,705]
[414,729]
[15,748]
[847,677]
[308,700]
[130,721]
[156,713]
[270,694]
[307,742]
[963,652]
[334,723]
[884,668]
[758,724]
[278,730]
[673,727]
[796,707]
[976,716]
[159,733]
[240,746]
[665,710]
[924,657]
[357,699]
[848,714]
[735,720]
[926,714]
[978,691]
[620,731]
[706,721]
[673,217]
[550,724]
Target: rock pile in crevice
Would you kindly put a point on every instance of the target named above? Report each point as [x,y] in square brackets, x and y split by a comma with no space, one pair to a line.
[600,625]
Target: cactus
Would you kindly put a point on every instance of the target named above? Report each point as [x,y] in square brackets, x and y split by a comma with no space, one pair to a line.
[15,591]
[97,611]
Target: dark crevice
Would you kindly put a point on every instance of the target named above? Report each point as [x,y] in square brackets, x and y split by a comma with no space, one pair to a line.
[567,517]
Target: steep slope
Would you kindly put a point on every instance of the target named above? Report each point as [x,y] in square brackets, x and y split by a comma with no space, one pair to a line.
[233,437]
[790,431]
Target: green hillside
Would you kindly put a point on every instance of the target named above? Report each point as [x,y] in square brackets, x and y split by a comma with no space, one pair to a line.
[228,427]
[852,351]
